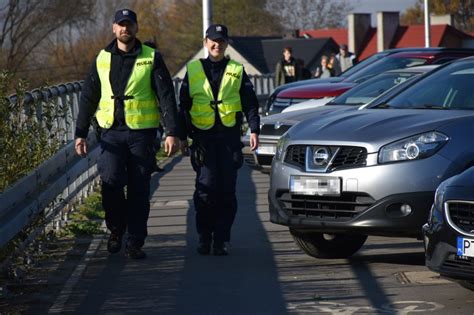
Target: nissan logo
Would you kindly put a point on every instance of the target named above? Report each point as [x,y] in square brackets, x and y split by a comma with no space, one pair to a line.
[321,156]
[278,124]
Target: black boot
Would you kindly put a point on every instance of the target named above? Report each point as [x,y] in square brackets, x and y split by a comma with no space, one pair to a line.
[204,247]
[219,249]
[134,251]
[114,244]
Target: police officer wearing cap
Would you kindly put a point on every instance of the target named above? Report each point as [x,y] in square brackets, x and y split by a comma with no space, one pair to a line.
[214,95]
[127,90]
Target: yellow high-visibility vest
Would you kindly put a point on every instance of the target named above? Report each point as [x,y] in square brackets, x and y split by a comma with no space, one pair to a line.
[228,100]
[141,106]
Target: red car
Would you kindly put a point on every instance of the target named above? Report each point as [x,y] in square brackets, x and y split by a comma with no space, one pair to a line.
[400,60]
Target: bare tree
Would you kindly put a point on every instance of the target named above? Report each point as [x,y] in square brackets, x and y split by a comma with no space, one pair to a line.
[27,23]
[246,17]
[310,14]
[461,10]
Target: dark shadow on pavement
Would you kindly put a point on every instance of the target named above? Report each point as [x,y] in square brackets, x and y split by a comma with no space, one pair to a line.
[246,281]
[174,279]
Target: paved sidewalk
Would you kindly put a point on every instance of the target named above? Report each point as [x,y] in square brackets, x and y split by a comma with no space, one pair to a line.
[265,273]
[174,279]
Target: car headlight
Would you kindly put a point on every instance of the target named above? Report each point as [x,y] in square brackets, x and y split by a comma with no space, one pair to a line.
[281,146]
[436,212]
[439,198]
[270,102]
[413,148]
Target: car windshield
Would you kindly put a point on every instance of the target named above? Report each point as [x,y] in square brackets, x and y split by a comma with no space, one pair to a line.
[385,64]
[362,64]
[370,89]
[449,88]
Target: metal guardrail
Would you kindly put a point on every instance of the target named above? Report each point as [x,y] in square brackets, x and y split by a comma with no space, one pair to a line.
[56,182]
[48,189]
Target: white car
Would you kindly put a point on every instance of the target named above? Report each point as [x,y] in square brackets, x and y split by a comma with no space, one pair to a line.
[313,103]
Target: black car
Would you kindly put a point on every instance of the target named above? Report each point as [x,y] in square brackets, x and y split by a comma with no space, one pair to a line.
[449,233]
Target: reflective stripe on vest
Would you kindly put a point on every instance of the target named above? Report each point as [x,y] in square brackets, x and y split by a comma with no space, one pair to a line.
[140,103]
[202,112]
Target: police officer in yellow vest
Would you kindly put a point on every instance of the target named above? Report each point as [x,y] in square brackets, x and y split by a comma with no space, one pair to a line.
[214,94]
[128,89]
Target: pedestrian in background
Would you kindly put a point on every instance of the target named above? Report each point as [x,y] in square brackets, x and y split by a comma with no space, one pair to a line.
[323,70]
[215,92]
[287,69]
[346,59]
[122,90]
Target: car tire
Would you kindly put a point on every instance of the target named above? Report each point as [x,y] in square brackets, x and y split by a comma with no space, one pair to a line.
[322,245]
[467,284]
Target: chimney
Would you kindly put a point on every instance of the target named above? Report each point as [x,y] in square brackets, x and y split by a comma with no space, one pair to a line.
[358,26]
[387,25]
[442,19]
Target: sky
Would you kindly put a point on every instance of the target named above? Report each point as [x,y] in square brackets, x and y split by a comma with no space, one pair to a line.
[374,6]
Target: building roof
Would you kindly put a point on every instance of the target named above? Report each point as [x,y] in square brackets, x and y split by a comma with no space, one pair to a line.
[369,45]
[265,52]
[414,35]
[251,48]
[338,34]
[405,36]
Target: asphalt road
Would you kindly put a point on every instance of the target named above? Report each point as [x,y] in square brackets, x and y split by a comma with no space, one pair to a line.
[265,272]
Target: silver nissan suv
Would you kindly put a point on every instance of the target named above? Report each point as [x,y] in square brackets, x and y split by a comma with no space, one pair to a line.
[338,178]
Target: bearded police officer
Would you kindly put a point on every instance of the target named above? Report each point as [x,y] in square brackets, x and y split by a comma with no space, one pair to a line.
[128,89]
[215,93]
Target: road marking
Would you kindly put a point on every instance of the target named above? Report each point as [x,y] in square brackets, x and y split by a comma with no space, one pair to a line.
[68,288]
[400,307]
[420,277]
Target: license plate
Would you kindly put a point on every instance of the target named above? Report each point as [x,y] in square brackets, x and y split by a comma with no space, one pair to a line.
[266,149]
[312,185]
[465,247]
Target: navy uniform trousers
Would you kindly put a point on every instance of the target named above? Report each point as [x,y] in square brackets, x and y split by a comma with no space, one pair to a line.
[216,159]
[127,159]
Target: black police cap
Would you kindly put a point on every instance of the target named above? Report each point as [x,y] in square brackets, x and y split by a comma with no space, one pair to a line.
[217,31]
[125,15]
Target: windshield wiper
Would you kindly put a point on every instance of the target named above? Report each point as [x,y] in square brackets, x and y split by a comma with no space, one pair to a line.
[384,105]
[429,106]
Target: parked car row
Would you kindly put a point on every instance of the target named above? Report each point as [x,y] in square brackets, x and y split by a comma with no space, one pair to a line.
[274,126]
[290,94]
[338,178]
[399,165]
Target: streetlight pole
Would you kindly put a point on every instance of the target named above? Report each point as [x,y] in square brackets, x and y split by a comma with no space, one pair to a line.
[427,24]
[206,19]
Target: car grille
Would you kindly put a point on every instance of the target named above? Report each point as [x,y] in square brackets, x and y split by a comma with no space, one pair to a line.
[461,215]
[342,208]
[459,266]
[346,157]
[296,155]
[285,102]
[269,130]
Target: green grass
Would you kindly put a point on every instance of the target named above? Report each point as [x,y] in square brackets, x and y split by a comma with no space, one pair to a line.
[87,218]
